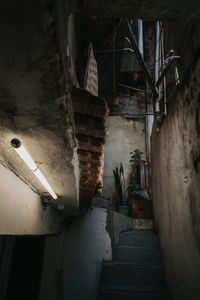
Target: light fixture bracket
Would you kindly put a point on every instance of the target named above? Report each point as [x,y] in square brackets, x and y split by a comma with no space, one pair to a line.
[15,143]
[45,200]
[25,156]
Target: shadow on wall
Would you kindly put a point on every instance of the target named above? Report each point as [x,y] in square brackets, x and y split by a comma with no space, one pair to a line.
[73,259]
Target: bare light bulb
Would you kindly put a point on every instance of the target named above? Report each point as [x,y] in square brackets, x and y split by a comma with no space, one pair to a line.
[23,153]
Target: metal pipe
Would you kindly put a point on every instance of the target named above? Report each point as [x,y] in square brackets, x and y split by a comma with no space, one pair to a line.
[130,114]
[140,37]
[130,96]
[164,79]
[114,50]
[141,48]
[157,61]
[130,87]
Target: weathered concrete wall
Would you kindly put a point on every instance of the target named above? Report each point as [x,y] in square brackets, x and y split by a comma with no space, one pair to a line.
[35,105]
[21,212]
[176,189]
[125,135]
[120,223]
[73,259]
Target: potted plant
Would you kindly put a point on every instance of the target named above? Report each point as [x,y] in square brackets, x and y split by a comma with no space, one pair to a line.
[121,190]
[141,206]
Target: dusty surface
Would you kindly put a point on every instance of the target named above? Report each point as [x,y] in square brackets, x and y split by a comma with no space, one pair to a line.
[77,266]
[176,176]
[21,212]
[125,135]
[33,86]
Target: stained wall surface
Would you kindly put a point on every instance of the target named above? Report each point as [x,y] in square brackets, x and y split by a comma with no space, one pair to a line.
[73,259]
[21,211]
[35,105]
[176,189]
[125,135]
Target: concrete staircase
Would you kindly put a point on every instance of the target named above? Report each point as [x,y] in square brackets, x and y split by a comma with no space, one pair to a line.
[137,272]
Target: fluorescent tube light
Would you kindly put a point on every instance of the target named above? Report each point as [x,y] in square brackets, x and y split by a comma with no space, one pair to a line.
[26,157]
[45,183]
[23,153]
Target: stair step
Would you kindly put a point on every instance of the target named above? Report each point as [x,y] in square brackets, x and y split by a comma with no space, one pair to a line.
[139,240]
[137,255]
[137,272]
[138,231]
[144,224]
[134,295]
[126,275]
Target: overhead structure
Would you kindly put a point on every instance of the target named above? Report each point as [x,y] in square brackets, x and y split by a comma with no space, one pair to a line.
[145,9]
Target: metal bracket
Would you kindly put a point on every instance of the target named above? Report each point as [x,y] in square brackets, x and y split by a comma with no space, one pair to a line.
[45,200]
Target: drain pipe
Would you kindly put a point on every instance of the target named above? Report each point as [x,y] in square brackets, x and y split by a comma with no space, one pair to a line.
[157,62]
[147,117]
[140,37]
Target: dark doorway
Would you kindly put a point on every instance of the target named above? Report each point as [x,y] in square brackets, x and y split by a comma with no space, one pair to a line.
[26,268]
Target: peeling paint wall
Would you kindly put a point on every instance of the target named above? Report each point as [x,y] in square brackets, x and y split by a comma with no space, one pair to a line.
[176,189]
[125,135]
[73,259]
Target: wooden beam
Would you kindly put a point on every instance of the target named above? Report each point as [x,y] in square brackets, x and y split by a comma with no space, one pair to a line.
[166,69]
[142,63]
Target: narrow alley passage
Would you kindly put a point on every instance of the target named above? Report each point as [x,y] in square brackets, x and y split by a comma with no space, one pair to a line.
[100,150]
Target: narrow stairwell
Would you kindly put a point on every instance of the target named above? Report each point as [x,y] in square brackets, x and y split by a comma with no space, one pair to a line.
[137,272]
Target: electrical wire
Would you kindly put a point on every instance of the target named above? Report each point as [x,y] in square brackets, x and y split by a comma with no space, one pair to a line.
[174,90]
[110,38]
[9,167]
[131,96]
[110,44]
[114,34]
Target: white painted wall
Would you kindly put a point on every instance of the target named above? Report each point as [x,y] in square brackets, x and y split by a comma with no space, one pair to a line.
[125,135]
[73,259]
[21,212]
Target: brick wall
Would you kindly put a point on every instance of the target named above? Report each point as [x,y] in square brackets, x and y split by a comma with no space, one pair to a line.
[90,113]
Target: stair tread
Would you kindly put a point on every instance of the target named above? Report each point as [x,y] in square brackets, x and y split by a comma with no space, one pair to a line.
[115,262]
[137,276]
[138,232]
[139,240]
[137,254]
[136,295]
[139,289]
[141,263]
[137,271]
[134,247]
